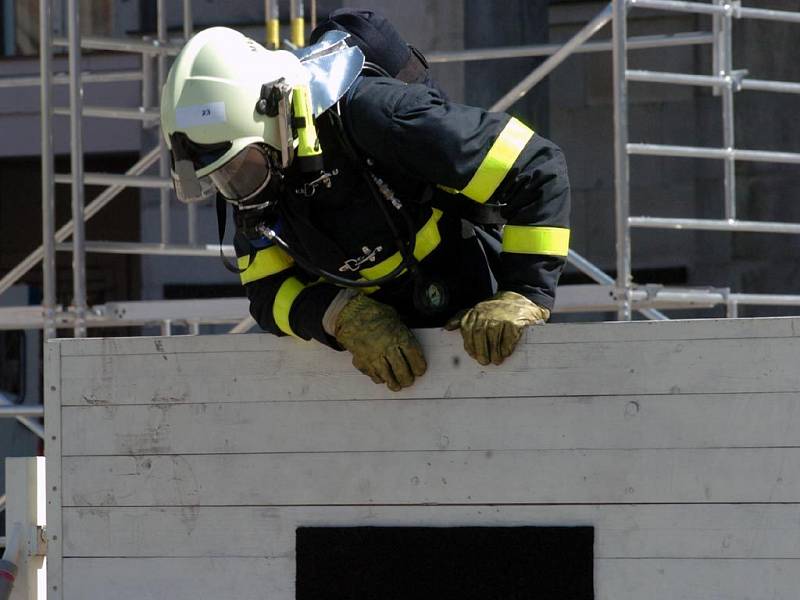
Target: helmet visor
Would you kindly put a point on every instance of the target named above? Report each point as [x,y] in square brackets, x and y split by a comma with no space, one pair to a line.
[189,188]
[244,176]
[188,156]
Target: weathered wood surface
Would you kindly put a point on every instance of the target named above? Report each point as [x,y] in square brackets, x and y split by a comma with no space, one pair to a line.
[591,422]
[450,477]
[740,531]
[273,578]
[186,463]
[207,370]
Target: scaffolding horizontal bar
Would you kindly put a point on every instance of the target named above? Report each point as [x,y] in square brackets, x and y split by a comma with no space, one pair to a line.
[675,78]
[138,181]
[714,225]
[123,45]
[732,9]
[679,6]
[21,410]
[112,112]
[717,153]
[103,247]
[765,14]
[599,276]
[761,85]
[602,298]
[708,298]
[633,43]
[766,299]
[787,87]
[123,314]
[63,78]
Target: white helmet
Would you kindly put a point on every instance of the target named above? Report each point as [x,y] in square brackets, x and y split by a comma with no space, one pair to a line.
[229,107]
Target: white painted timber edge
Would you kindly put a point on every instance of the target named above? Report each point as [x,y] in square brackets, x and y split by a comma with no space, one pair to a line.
[689,329]
[21,508]
[52,408]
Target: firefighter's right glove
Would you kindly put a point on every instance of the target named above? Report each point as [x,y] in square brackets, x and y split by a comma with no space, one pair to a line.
[492,328]
[383,348]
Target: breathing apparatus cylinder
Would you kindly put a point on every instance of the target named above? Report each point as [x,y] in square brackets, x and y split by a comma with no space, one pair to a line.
[309,151]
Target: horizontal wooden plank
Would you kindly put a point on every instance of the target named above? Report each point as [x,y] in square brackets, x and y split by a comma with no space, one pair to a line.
[444,477]
[565,369]
[664,579]
[256,579]
[626,531]
[678,421]
[178,579]
[677,329]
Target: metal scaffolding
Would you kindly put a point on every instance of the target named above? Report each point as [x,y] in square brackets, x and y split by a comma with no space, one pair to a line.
[610,294]
[726,82]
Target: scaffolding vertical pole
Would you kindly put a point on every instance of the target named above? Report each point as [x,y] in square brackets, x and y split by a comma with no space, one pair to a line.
[272,16]
[48,185]
[313,15]
[621,162]
[191,207]
[716,27]
[76,165]
[298,21]
[163,162]
[147,80]
[188,21]
[728,124]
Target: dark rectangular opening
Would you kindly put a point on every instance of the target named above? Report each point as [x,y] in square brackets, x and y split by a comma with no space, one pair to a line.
[445,563]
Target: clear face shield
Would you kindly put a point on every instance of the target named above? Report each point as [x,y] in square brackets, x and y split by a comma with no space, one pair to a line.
[244,176]
[239,180]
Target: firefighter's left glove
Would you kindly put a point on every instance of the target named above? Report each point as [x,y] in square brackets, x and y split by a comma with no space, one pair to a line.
[383,348]
[493,327]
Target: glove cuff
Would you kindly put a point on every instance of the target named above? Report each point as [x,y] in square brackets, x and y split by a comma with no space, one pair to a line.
[336,306]
[537,313]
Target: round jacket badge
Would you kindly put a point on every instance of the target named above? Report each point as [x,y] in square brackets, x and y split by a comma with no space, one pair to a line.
[435,296]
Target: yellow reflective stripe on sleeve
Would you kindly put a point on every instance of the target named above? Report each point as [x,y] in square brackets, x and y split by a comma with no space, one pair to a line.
[427,240]
[265,263]
[522,239]
[498,161]
[282,305]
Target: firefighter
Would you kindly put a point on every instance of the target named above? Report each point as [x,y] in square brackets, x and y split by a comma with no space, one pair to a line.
[365,205]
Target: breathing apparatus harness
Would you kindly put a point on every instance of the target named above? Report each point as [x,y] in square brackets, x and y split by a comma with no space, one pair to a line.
[292,108]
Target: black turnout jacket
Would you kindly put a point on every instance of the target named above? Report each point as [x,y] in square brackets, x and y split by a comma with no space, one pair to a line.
[436,157]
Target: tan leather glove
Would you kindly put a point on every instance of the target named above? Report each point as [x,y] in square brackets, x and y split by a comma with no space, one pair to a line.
[383,348]
[493,327]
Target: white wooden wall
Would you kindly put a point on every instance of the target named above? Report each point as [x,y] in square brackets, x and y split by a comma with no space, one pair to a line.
[178,468]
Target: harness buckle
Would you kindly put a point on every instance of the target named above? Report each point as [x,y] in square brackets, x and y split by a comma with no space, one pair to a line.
[310,188]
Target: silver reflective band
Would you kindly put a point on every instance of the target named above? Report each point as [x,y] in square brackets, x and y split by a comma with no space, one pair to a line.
[188,187]
[244,176]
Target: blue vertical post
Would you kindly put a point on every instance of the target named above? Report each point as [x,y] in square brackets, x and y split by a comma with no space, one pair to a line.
[9,28]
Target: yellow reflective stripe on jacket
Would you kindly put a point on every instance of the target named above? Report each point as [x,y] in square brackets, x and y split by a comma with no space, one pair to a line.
[282,305]
[265,263]
[498,161]
[522,239]
[427,240]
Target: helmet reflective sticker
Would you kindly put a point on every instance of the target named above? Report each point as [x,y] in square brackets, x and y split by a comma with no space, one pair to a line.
[200,114]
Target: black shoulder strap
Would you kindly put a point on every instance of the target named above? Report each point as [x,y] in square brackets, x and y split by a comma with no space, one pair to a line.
[456,204]
[222,217]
